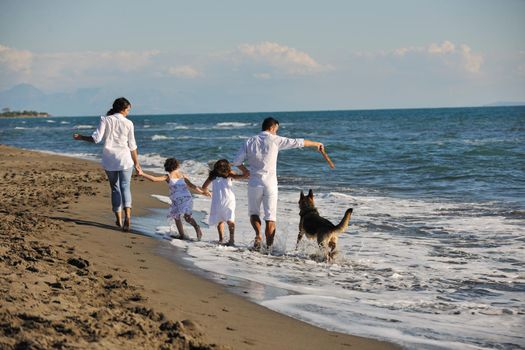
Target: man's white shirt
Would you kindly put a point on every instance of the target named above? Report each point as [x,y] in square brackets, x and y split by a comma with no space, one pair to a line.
[261,151]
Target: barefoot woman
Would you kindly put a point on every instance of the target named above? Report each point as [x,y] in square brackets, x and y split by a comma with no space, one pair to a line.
[118,157]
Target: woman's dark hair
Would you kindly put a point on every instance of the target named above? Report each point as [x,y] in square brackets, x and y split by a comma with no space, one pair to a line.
[171,164]
[221,168]
[268,123]
[119,105]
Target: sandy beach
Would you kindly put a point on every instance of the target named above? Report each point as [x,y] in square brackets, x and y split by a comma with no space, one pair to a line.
[70,279]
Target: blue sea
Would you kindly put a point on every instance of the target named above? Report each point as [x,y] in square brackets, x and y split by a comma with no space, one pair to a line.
[434,257]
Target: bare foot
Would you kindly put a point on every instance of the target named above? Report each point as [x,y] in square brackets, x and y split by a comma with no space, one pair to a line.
[126,225]
[118,218]
[257,244]
[199,233]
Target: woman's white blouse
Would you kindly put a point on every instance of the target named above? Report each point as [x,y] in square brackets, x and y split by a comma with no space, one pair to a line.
[118,135]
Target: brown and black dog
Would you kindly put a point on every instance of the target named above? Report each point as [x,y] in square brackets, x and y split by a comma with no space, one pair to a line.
[314,226]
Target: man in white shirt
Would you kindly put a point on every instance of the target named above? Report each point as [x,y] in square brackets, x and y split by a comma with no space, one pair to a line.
[261,151]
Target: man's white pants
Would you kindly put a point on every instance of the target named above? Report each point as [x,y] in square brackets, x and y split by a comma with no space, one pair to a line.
[265,196]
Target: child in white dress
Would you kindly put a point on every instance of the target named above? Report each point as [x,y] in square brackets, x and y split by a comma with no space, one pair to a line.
[222,199]
[180,196]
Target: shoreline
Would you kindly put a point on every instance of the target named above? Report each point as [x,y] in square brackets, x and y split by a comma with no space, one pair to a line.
[126,283]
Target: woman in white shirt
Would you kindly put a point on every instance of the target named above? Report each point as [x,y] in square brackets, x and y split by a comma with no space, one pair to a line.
[119,156]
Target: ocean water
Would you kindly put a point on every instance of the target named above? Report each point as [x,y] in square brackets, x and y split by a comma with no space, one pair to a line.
[434,257]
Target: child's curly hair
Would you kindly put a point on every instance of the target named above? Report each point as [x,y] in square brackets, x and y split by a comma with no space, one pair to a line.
[221,168]
[171,164]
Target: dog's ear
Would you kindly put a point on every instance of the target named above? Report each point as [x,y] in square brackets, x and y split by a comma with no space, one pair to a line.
[311,194]
[302,195]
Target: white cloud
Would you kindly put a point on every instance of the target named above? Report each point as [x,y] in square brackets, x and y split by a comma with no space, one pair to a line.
[472,62]
[78,62]
[184,72]
[57,70]
[282,58]
[15,66]
[445,48]
[14,60]
[402,51]
[69,70]
[446,53]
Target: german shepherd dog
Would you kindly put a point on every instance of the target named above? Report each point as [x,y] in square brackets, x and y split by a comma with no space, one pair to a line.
[314,226]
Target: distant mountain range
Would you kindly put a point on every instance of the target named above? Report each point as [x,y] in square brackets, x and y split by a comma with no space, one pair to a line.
[88,101]
[28,97]
[506,103]
[94,101]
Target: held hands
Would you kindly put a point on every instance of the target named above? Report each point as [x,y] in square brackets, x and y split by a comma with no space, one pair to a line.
[245,171]
[320,147]
[138,169]
[244,175]
[203,191]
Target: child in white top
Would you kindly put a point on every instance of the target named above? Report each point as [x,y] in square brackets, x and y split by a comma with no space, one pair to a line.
[180,196]
[222,199]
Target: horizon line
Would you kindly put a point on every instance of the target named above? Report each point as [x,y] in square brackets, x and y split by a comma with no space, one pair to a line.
[518,104]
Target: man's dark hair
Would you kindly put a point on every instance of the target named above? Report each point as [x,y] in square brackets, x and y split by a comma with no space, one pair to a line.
[268,123]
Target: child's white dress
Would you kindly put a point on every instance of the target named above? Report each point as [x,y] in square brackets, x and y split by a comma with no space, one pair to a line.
[181,200]
[222,201]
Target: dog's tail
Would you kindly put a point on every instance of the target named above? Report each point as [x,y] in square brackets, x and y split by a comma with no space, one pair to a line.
[344,222]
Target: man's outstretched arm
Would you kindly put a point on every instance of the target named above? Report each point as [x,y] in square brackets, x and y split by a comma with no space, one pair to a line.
[319,145]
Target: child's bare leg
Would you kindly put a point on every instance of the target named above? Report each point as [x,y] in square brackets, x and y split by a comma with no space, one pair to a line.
[180,228]
[118,217]
[190,220]
[220,229]
[231,227]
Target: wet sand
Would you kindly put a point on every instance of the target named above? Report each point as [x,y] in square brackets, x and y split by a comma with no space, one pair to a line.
[70,279]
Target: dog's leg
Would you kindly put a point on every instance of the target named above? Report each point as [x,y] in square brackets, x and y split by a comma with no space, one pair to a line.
[301,233]
[299,237]
[332,252]
[324,249]
[332,255]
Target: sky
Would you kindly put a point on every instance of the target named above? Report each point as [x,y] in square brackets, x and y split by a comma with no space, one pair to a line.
[75,57]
